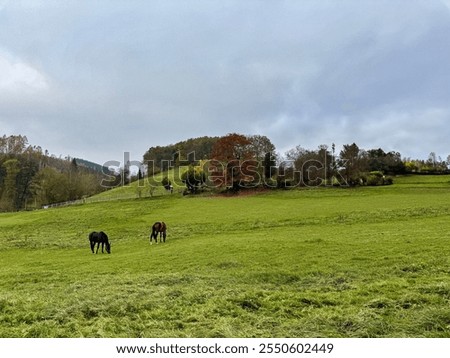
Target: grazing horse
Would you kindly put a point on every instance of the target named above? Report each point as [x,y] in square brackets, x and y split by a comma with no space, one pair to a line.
[158,227]
[99,238]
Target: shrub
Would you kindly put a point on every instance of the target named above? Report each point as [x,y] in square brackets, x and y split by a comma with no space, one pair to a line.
[376,178]
[166,183]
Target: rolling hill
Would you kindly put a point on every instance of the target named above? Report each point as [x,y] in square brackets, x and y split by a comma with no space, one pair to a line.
[328,262]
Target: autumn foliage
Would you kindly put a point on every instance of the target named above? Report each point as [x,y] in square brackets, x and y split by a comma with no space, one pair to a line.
[233,163]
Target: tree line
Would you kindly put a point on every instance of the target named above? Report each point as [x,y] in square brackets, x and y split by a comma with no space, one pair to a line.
[31,178]
[236,161]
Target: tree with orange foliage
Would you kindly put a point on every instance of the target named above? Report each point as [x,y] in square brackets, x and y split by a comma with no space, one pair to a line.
[233,163]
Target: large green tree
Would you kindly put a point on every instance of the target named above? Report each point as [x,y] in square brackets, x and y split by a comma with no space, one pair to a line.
[354,162]
[194,177]
[388,163]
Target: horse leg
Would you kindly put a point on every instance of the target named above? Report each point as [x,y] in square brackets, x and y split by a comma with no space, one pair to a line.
[153,236]
[92,246]
[98,245]
[164,236]
[103,244]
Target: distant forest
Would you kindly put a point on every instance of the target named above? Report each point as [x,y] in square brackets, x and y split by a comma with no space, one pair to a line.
[31,178]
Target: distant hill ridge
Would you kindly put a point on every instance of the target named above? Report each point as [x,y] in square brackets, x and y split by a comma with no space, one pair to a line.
[194,148]
[91,165]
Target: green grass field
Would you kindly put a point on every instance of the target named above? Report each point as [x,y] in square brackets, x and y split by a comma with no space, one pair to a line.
[331,262]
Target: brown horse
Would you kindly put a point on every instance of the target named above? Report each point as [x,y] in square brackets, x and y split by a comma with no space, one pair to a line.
[158,227]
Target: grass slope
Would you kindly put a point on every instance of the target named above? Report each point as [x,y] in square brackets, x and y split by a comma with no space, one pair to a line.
[367,262]
[143,188]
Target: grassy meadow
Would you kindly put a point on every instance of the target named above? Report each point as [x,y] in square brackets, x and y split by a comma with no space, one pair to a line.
[330,262]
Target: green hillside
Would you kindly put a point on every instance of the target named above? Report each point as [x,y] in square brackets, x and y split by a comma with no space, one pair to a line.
[139,189]
[329,262]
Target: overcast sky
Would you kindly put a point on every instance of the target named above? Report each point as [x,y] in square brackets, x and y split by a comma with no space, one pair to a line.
[94,79]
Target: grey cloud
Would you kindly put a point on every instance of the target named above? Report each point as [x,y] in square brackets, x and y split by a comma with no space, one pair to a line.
[124,76]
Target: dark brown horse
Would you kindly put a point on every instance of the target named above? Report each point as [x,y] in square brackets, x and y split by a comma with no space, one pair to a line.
[158,228]
[99,238]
